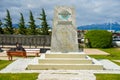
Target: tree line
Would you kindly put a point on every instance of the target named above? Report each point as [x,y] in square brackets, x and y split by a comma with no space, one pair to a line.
[7,27]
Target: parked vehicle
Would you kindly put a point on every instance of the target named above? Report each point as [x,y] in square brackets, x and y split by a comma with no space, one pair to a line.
[116,41]
[116,38]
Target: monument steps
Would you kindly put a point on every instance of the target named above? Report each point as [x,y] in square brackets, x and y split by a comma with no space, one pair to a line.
[65,61]
[65,55]
[65,67]
[74,63]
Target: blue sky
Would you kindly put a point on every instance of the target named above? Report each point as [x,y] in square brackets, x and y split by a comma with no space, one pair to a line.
[87,11]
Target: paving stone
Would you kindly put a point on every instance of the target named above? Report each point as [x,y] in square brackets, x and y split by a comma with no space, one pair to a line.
[18,65]
[69,75]
[109,65]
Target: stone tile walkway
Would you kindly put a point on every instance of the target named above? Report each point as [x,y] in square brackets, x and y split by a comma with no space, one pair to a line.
[67,75]
[116,60]
[17,66]
[95,52]
[107,64]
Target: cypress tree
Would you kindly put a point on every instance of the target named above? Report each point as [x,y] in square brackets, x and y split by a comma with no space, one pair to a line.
[32,26]
[44,23]
[8,24]
[22,28]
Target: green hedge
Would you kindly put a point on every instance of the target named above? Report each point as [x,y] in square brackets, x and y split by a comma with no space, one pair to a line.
[98,39]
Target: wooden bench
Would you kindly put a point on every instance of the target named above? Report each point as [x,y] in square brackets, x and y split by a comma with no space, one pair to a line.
[16,53]
[23,53]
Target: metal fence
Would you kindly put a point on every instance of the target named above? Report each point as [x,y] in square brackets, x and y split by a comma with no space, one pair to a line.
[26,40]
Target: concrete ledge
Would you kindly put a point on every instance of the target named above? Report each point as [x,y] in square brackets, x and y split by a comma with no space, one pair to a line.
[64,61]
[65,55]
[65,67]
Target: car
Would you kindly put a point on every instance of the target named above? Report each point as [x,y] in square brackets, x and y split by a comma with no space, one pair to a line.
[116,38]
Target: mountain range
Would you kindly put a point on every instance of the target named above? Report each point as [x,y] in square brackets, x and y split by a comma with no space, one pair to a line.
[105,26]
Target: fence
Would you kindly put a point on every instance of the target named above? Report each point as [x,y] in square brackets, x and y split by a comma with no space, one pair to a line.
[25,40]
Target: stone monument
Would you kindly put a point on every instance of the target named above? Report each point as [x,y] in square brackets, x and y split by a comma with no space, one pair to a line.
[64,32]
[64,40]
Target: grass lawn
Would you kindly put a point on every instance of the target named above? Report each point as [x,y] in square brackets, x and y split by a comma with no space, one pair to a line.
[118,63]
[114,54]
[107,76]
[4,63]
[18,76]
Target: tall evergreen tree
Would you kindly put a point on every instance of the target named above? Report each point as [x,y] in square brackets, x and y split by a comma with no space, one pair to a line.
[22,28]
[1,30]
[44,23]
[8,24]
[32,26]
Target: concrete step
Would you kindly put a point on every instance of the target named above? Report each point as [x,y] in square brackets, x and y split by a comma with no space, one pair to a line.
[65,55]
[65,61]
[82,75]
[65,67]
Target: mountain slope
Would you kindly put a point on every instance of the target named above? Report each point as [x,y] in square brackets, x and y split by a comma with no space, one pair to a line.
[106,26]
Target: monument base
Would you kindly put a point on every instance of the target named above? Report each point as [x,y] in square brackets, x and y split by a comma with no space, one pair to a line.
[67,61]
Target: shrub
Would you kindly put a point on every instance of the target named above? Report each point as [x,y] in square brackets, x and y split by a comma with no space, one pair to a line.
[99,39]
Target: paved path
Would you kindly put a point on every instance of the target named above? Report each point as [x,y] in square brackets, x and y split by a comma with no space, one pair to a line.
[95,52]
[66,75]
[116,60]
[107,64]
[17,66]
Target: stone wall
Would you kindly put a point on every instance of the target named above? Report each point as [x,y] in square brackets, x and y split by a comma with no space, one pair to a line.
[27,40]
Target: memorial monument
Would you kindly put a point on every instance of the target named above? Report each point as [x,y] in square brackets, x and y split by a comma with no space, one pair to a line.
[64,32]
[64,54]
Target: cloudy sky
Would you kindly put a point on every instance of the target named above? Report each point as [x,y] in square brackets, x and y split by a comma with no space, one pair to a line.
[87,11]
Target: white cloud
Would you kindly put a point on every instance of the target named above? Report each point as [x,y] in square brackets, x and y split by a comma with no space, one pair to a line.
[87,11]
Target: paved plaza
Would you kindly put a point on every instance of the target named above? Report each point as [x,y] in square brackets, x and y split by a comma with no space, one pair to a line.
[89,51]
[20,64]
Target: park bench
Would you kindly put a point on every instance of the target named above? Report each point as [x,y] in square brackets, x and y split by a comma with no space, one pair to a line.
[16,53]
[25,53]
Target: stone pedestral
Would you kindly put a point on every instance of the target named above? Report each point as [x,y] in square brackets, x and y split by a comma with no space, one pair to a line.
[64,32]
